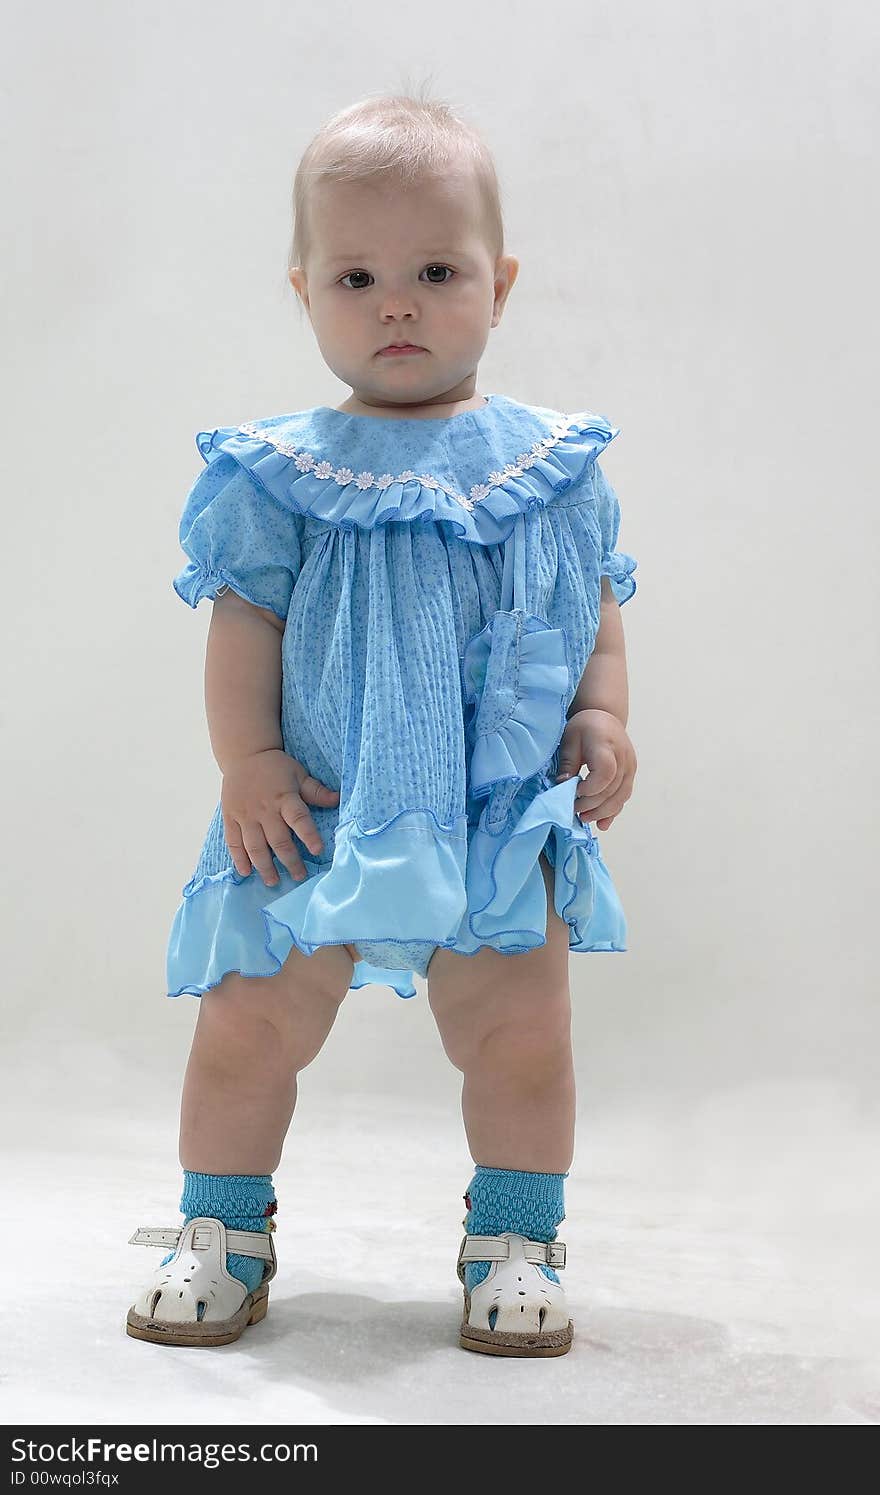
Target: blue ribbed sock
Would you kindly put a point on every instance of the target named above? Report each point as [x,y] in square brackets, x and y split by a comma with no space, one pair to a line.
[243,1201]
[499,1199]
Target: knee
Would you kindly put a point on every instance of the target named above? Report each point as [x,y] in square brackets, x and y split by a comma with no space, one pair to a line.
[515,1042]
[527,1049]
[255,1021]
[232,1023]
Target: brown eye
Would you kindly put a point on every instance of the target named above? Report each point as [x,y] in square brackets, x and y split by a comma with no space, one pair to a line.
[365,273]
[439,267]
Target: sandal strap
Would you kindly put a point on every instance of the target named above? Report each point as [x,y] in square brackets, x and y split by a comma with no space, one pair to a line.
[497,1248]
[241,1242]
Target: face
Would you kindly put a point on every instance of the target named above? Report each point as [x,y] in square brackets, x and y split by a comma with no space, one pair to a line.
[389,264]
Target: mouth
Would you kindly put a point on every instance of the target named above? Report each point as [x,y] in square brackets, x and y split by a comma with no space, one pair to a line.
[396,349]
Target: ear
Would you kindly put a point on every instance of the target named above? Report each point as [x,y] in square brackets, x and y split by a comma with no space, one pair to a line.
[506,271]
[297,278]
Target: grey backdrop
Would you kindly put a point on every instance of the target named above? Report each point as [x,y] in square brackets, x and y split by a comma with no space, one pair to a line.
[691,191]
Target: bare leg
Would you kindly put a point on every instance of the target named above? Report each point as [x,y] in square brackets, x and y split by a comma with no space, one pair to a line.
[253,1036]
[505,1022]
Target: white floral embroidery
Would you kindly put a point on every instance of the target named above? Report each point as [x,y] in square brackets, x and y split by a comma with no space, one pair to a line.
[306,462]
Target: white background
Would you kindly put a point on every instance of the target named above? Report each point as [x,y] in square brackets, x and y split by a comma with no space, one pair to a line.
[691,191]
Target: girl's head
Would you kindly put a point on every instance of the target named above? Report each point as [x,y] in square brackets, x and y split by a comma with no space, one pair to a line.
[398,237]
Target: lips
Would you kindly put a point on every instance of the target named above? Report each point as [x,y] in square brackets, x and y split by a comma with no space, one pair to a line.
[402,348]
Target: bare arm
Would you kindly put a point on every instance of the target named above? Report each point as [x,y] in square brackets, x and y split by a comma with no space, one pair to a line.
[604,685]
[242,679]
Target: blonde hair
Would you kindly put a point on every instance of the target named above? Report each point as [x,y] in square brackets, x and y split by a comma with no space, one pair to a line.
[402,138]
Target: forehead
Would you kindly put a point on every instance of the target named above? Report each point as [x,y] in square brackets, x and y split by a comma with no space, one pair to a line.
[421,218]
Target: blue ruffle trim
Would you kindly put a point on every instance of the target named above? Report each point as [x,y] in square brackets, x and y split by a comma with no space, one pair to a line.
[196,581]
[506,889]
[516,682]
[304,483]
[517,688]
[619,567]
[415,880]
[406,878]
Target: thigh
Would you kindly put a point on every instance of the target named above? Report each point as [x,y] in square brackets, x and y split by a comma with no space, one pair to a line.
[470,995]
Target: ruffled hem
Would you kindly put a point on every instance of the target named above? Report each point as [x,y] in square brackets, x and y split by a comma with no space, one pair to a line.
[424,885]
[222,926]
[405,878]
[307,484]
[506,891]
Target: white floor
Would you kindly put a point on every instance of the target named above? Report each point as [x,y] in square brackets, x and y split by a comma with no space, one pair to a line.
[721,1261]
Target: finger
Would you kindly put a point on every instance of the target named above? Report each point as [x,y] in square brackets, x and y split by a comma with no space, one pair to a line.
[585,799]
[277,833]
[259,853]
[609,808]
[611,769]
[611,804]
[298,818]
[571,760]
[595,790]
[570,757]
[568,766]
[602,773]
[316,793]
[240,858]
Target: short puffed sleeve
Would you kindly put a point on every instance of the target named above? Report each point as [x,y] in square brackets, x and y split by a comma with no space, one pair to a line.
[238,536]
[616,564]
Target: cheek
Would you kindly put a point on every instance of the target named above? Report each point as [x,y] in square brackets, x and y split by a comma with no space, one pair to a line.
[469,313]
[336,327]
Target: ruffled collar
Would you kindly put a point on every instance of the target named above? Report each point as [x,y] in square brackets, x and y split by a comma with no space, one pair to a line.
[475,471]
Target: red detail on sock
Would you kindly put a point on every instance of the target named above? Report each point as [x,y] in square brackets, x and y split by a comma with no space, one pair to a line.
[467,1200]
[270,1208]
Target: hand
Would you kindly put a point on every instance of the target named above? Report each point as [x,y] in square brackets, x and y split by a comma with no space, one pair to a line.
[263,798]
[599,739]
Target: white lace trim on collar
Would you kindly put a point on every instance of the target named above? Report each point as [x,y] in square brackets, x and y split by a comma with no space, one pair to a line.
[306,461]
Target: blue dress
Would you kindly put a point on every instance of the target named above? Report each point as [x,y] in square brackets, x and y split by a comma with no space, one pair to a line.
[439,580]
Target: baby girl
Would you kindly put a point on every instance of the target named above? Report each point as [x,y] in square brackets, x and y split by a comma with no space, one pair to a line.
[416,695]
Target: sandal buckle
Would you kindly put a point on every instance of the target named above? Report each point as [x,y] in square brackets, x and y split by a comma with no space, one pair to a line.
[491,1248]
[149,1235]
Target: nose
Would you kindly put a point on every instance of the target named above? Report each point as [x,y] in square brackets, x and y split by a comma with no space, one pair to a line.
[397,304]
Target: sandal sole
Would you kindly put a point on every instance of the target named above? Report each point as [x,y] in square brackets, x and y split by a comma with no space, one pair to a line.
[199,1335]
[488,1342]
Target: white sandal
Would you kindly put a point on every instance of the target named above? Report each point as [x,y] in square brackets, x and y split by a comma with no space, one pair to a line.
[532,1315]
[167,1311]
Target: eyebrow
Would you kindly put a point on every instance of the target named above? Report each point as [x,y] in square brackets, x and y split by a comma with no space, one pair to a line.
[455,254]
